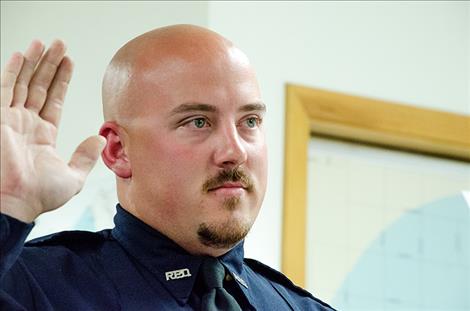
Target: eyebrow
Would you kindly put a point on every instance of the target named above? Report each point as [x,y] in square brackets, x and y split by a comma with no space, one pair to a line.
[257,106]
[193,107]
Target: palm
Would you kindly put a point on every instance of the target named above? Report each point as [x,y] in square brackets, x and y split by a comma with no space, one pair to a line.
[34,179]
[28,154]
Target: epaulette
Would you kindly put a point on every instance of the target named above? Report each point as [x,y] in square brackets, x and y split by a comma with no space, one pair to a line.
[69,238]
[276,276]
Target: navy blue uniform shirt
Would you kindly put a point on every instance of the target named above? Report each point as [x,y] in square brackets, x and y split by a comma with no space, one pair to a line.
[131,267]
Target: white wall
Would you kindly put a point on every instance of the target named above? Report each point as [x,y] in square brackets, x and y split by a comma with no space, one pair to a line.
[412,52]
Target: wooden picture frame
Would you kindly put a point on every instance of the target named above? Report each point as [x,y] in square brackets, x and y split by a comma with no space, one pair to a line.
[392,125]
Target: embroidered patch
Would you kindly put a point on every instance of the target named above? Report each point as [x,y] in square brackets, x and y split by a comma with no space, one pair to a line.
[177,274]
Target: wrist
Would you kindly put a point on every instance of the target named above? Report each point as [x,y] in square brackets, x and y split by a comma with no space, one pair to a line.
[17,209]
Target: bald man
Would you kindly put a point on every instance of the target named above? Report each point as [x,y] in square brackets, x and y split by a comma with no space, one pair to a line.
[184,136]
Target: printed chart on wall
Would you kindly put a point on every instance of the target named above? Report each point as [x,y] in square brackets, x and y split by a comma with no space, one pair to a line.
[387,230]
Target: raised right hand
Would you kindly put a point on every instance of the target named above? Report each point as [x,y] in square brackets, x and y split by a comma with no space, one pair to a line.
[34,179]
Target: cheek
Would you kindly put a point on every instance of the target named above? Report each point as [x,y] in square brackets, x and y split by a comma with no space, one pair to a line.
[168,175]
[164,162]
[181,177]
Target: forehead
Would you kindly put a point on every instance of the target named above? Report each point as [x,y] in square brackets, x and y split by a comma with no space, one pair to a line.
[221,82]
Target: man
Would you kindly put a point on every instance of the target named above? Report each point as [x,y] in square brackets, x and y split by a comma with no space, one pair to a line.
[184,136]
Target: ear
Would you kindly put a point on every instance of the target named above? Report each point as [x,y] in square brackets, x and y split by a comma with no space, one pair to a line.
[114,155]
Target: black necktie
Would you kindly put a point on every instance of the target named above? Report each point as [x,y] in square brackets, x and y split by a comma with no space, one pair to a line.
[215,297]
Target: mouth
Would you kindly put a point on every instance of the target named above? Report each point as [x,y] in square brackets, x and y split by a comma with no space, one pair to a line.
[229,186]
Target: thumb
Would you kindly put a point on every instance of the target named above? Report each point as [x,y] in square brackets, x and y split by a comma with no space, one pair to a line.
[86,155]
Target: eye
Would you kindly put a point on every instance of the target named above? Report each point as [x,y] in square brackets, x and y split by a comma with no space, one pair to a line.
[252,122]
[195,123]
[199,122]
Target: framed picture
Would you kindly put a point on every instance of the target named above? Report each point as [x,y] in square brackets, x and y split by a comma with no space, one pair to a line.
[408,159]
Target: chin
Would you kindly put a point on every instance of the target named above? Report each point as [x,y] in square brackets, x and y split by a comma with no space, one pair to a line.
[223,235]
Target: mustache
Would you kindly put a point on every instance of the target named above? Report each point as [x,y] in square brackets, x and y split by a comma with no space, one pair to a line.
[232,175]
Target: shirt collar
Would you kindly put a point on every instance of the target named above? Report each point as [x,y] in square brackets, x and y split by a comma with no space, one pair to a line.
[165,259]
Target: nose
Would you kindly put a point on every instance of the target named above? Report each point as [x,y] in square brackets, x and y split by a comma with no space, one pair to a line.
[229,150]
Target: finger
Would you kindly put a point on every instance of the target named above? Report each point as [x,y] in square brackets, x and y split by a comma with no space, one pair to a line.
[9,77]
[31,59]
[86,155]
[44,75]
[55,99]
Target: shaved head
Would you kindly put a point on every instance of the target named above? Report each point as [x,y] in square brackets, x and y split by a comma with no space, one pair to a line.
[159,52]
